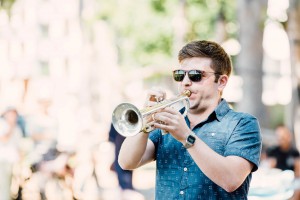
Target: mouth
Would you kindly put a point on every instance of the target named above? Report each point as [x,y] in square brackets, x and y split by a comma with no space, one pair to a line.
[192,93]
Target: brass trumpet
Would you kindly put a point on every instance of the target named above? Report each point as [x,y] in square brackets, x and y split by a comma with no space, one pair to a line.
[128,120]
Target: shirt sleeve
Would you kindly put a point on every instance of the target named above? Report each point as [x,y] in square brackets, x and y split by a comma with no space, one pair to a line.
[296,153]
[246,141]
[272,151]
[155,137]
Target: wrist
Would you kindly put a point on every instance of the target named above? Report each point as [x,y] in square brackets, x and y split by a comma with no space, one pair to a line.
[190,140]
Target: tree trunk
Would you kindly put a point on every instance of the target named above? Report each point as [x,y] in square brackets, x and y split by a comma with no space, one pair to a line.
[249,61]
[293,29]
[180,26]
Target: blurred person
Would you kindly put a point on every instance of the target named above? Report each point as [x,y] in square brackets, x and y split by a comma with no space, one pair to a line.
[21,121]
[124,176]
[10,138]
[86,179]
[285,156]
[213,151]
[42,128]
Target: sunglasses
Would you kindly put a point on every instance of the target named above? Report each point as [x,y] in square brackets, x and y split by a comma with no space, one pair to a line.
[194,75]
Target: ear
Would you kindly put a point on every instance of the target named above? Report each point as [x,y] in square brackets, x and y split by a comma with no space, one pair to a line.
[222,82]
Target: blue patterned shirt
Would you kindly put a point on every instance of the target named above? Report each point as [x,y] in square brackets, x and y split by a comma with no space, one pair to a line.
[228,133]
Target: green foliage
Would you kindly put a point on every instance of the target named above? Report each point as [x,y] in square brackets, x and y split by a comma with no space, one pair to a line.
[6,4]
[158,6]
[203,16]
[145,29]
[276,114]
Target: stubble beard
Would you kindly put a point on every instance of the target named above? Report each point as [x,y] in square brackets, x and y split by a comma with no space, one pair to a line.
[197,108]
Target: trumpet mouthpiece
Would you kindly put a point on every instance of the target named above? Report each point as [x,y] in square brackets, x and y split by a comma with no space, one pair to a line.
[187,93]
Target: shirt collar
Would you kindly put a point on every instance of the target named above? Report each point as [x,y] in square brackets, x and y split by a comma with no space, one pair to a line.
[221,110]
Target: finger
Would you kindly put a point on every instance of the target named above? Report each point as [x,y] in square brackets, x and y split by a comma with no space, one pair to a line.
[164,118]
[160,116]
[150,103]
[156,98]
[161,126]
[153,116]
[171,110]
[156,94]
[169,116]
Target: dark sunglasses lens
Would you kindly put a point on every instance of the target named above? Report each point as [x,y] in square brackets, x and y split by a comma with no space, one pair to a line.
[195,75]
[178,75]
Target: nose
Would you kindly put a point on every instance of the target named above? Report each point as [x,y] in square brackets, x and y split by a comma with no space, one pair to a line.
[186,80]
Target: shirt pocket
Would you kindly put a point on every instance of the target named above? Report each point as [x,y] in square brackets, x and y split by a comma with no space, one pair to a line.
[215,140]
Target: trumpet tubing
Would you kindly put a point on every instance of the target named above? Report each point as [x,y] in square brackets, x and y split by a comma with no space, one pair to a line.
[128,120]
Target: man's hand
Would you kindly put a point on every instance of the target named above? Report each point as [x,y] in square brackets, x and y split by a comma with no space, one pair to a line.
[173,123]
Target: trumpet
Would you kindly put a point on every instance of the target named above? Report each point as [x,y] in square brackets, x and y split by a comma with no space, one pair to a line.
[128,120]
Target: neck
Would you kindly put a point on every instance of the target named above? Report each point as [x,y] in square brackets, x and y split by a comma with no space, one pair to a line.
[285,147]
[197,115]
[196,118]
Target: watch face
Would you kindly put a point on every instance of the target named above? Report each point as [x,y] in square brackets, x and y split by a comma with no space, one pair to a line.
[191,139]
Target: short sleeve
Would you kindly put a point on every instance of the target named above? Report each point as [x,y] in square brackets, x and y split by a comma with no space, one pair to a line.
[155,137]
[246,141]
[272,151]
[296,153]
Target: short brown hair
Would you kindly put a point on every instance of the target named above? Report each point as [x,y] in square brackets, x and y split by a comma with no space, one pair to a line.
[221,62]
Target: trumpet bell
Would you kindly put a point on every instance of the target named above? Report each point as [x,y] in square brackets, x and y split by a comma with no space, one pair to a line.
[127,119]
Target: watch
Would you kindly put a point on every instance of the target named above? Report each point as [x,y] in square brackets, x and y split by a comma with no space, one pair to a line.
[190,140]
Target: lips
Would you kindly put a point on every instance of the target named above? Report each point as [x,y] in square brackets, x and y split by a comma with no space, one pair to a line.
[192,95]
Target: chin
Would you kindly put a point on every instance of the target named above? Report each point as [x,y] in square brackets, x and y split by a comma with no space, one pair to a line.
[192,106]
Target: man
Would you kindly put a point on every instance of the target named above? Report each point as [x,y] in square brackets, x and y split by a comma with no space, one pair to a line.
[285,156]
[124,176]
[210,153]
[10,140]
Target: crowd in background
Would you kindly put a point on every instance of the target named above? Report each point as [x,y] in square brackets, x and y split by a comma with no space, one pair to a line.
[278,174]
[35,165]
[30,156]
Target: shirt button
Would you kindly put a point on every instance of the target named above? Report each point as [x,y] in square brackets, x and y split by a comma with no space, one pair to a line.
[185,169]
[181,192]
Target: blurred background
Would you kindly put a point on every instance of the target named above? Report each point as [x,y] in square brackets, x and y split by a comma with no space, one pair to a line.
[65,65]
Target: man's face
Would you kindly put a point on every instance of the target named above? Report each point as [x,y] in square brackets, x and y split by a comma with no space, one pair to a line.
[284,137]
[11,117]
[206,92]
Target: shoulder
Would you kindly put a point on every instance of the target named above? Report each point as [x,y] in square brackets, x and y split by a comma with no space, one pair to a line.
[243,120]
[225,110]
[246,120]
[241,115]
[295,151]
[272,149]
